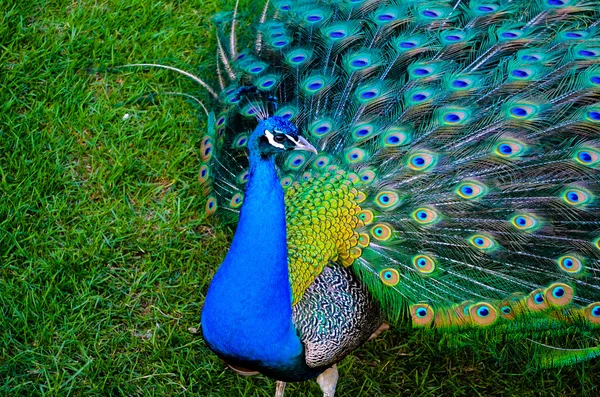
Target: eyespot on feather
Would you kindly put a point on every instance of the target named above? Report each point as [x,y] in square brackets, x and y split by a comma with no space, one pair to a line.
[267,83]
[452,36]
[396,136]
[321,162]
[507,311]
[295,161]
[364,240]
[482,242]
[288,112]
[559,294]
[211,205]
[242,178]
[286,182]
[588,156]
[367,93]
[355,155]
[321,128]
[314,84]
[297,57]
[236,200]
[509,34]
[203,174]
[483,314]
[470,189]
[390,277]
[422,314]
[424,264]
[381,232]
[387,200]
[240,141]
[422,161]
[509,148]
[367,176]
[592,313]
[206,149]
[363,131]
[537,300]
[576,196]
[525,222]
[570,264]
[426,216]
[361,197]
[366,216]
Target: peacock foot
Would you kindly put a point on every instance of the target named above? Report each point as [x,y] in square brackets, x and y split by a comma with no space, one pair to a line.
[328,381]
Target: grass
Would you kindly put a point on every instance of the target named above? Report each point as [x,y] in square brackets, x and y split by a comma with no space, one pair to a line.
[105,255]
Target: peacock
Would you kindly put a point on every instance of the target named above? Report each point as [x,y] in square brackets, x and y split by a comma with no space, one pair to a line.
[403,161]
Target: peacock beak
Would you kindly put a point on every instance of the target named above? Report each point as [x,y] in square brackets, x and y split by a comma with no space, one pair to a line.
[303,144]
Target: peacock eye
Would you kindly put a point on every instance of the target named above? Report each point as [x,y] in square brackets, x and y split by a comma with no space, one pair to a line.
[279,138]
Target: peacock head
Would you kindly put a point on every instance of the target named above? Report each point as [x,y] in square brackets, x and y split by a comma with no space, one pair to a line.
[275,135]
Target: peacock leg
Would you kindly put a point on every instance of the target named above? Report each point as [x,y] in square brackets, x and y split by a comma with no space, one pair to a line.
[382,327]
[328,381]
[279,388]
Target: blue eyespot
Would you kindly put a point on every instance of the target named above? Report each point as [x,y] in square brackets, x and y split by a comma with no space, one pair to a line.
[418,160]
[421,312]
[530,58]
[519,112]
[407,44]
[519,73]
[430,14]
[460,83]
[452,118]
[506,149]
[483,311]
[539,298]
[386,17]
[558,292]
[368,94]
[421,72]
[466,190]
[585,157]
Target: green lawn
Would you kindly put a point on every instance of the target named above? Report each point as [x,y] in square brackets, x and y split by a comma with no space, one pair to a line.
[105,255]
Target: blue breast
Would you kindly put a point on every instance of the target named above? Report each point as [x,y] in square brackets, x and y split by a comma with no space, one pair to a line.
[247,315]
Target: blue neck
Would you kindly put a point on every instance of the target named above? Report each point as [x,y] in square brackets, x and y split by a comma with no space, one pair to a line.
[247,313]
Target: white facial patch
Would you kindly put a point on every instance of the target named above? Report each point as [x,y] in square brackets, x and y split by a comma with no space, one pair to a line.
[270,137]
[296,142]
